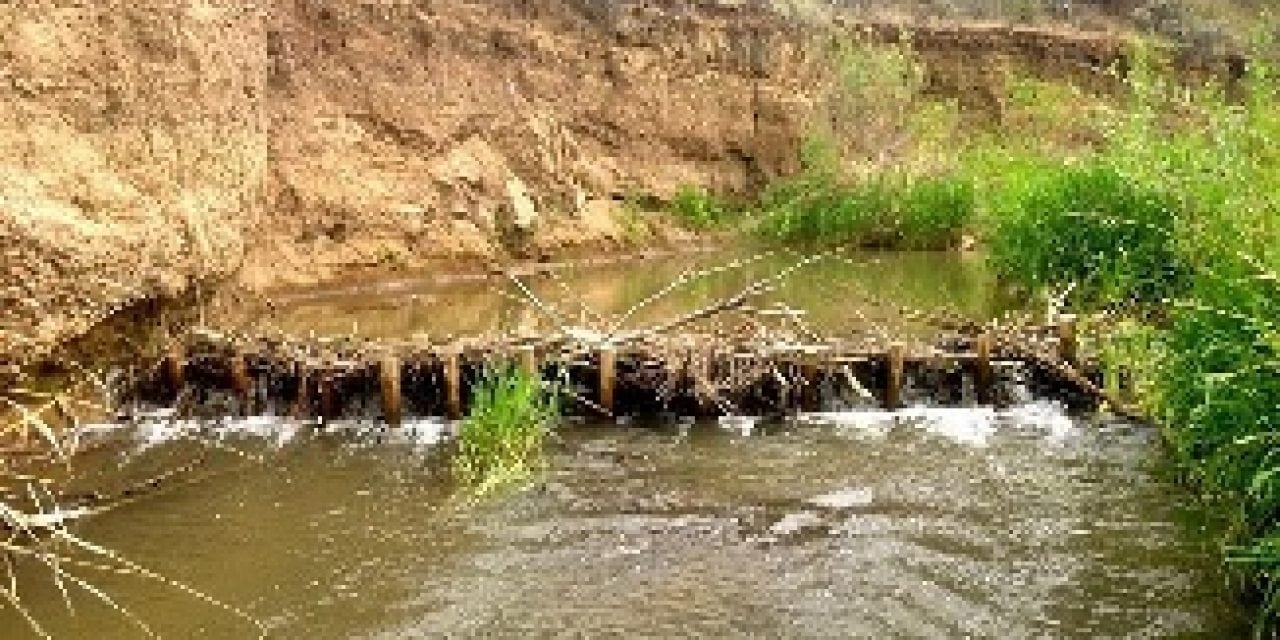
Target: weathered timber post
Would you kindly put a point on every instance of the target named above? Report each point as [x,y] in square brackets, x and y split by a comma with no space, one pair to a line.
[1067,346]
[241,384]
[389,383]
[810,400]
[608,374]
[896,370]
[302,400]
[453,385]
[529,361]
[328,396]
[175,369]
[984,375]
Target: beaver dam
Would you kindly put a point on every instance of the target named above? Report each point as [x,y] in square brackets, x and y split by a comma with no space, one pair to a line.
[727,357]
[802,455]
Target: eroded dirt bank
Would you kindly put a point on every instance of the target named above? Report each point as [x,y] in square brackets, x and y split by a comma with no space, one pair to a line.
[148,146]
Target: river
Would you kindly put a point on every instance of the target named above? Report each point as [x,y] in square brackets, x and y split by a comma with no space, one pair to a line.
[928,523]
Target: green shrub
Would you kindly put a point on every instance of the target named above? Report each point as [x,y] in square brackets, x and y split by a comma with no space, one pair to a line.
[1217,393]
[699,208]
[1092,227]
[501,439]
[925,213]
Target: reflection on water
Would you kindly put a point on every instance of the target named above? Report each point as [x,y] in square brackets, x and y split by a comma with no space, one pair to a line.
[860,290]
[926,523]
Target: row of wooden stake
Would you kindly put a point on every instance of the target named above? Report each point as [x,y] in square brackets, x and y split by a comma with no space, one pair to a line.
[390,366]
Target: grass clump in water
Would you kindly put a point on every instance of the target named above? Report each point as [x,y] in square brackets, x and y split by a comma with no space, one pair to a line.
[502,436]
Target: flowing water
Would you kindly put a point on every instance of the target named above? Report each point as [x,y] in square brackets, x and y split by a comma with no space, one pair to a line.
[970,522]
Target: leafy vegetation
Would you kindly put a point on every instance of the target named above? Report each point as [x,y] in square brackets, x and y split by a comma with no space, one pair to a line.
[1174,220]
[502,437]
[1092,227]
[699,208]
[920,213]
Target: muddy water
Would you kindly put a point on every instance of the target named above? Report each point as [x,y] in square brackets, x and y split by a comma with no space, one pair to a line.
[861,291]
[953,523]
[1020,523]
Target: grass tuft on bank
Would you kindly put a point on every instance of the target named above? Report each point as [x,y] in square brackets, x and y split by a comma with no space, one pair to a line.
[1175,223]
[882,212]
[1110,237]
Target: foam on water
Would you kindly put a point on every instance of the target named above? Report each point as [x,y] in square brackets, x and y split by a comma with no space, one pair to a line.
[970,426]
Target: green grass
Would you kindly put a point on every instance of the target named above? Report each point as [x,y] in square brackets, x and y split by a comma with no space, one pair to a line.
[890,212]
[501,440]
[698,208]
[1111,237]
[1176,221]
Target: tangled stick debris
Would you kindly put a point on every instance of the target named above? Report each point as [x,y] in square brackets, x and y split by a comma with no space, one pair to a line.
[738,353]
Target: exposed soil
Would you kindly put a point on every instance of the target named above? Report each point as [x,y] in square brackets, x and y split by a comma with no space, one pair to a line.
[148,146]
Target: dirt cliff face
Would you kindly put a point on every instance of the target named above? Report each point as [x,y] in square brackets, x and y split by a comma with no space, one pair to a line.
[132,145]
[420,132]
[147,146]
[442,130]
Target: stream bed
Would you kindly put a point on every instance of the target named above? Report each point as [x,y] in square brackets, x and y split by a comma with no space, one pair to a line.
[926,523]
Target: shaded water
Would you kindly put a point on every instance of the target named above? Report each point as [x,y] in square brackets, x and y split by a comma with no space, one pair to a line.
[863,291]
[926,523]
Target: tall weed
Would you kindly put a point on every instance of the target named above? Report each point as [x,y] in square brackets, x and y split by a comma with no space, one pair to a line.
[1177,217]
[502,436]
[1092,227]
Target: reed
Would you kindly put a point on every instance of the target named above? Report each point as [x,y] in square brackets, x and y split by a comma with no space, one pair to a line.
[501,439]
[1175,222]
[885,212]
[37,528]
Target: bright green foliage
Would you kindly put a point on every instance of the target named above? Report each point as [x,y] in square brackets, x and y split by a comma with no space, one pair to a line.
[501,439]
[922,213]
[699,208]
[1092,227]
[1219,395]
[1182,202]
[933,212]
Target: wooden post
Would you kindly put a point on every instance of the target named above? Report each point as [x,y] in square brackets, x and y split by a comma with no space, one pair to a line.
[453,385]
[1067,346]
[389,382]
[810,400]
[984,375]
[608,374]
[241,383]
[302,402]
[175,369]
[896,371]
[529,361]
[328,396]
